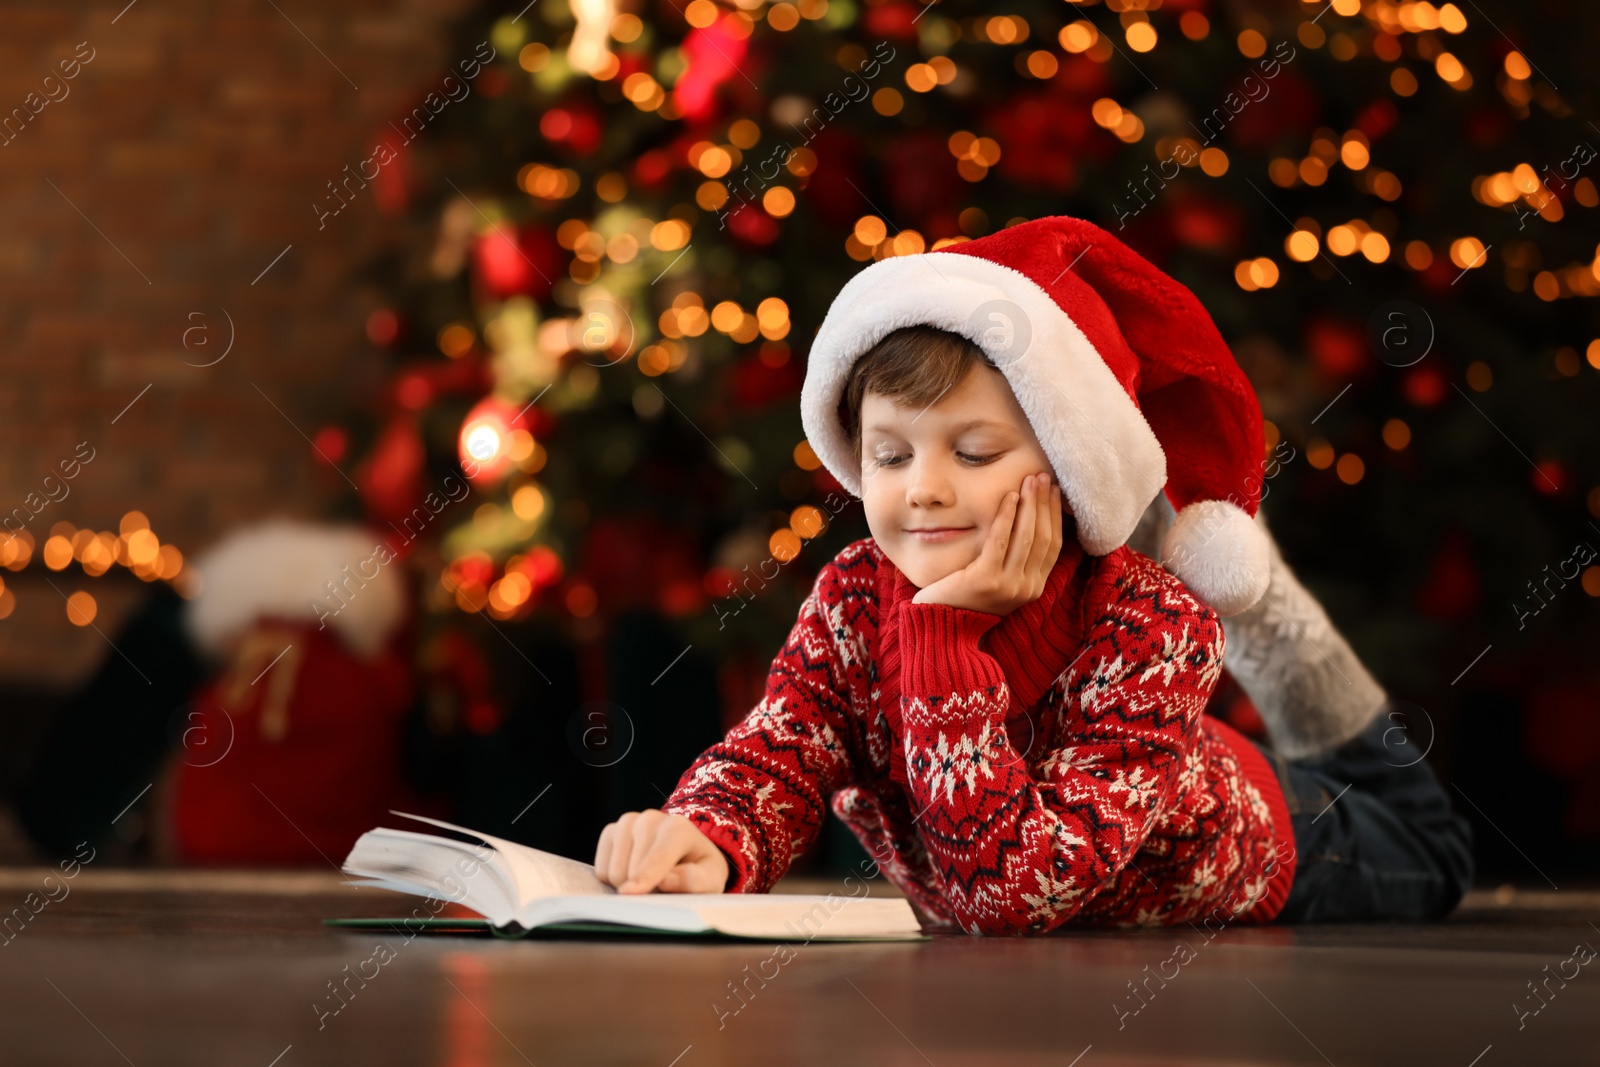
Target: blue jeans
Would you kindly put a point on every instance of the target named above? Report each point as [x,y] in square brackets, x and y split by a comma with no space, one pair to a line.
[1376,837]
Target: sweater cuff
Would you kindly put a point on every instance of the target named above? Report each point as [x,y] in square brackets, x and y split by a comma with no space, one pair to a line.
[729,836]
[1033,647]
[942,666]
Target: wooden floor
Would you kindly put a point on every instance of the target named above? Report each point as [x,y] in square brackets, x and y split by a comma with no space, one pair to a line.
[218,968]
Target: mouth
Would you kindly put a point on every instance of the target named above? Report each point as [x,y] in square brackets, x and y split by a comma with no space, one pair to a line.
[930,534]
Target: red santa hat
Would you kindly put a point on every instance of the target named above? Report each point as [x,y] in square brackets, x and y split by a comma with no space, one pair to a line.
[1123,376]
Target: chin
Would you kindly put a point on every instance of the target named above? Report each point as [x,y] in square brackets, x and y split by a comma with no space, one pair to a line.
[926,564]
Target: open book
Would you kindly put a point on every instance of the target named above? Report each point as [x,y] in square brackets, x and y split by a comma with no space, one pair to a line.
[518,889]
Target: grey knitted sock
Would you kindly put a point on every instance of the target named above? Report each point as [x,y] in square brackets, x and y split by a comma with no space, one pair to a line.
[1312,692]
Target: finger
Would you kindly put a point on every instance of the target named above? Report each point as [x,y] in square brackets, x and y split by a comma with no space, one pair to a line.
[1022,539]
[1044,547]
[994,546]
[645,829]
[681,879]
[1039,529]
[661,858]
[1050,537]
[618,847]
[1057,526]
[602,851]
[1057,520]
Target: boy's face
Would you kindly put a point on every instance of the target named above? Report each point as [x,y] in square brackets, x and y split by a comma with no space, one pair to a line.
[948,466]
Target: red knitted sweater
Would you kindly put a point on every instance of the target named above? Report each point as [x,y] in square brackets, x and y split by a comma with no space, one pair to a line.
[1010,774]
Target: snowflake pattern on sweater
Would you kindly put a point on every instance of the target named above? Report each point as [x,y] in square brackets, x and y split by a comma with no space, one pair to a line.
[1119,804]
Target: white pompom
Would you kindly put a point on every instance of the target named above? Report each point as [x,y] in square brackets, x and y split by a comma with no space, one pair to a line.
[1220,554]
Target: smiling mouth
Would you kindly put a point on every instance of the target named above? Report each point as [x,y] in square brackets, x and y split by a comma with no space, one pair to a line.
[938,533]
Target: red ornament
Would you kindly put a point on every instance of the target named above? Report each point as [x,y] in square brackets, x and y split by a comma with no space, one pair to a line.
[383,327]
[652,168]
[630,63]
[1550,476]
[718,581]
[413,391]
[541,566]
[1338,348]
[1424,386]
[509,260]
[330,444]
[476,568]
[390,478]
[894,20]
[1204,223]
[575,127]
[752,225]
[1378,118]
[419,383]
[1058,131]
[712,55]
[680,597]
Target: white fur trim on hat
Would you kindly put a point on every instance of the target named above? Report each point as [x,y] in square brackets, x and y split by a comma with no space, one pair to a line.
[1105,456]
[1219,552]
[283,568]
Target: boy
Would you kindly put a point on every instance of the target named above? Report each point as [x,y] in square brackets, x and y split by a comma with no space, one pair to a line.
[1009,720]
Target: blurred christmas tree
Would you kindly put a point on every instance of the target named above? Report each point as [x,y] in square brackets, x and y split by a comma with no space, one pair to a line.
[624,235]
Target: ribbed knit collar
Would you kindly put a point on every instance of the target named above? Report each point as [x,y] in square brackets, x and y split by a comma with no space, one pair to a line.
[1033,644]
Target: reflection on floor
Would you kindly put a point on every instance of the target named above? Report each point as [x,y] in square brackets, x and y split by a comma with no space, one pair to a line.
[235,967]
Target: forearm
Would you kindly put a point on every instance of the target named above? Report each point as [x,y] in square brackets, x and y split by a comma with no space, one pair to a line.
[761,793]
[1021,855]
[754,804]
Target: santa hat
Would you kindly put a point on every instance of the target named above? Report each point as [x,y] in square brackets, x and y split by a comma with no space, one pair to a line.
[1117,367]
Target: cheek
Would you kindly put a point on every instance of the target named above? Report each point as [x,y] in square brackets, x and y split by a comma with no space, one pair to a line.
[875,508]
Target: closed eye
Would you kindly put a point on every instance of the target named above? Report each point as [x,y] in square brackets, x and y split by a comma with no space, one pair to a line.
[968,458]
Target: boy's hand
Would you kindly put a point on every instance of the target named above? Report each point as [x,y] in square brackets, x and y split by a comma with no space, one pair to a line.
[1023,545]
[657,850]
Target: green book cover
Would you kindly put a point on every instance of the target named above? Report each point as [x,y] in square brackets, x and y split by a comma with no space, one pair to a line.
[483,928]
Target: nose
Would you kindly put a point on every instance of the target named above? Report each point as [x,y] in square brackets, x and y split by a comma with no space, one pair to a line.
[929,484]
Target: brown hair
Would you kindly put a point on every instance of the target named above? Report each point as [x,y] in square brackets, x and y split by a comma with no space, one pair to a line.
[914,365]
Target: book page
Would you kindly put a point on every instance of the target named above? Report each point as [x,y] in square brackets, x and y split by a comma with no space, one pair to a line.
[804,917]
[536,873]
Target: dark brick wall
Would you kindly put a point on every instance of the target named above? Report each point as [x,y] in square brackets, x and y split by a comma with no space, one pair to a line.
[191,147]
